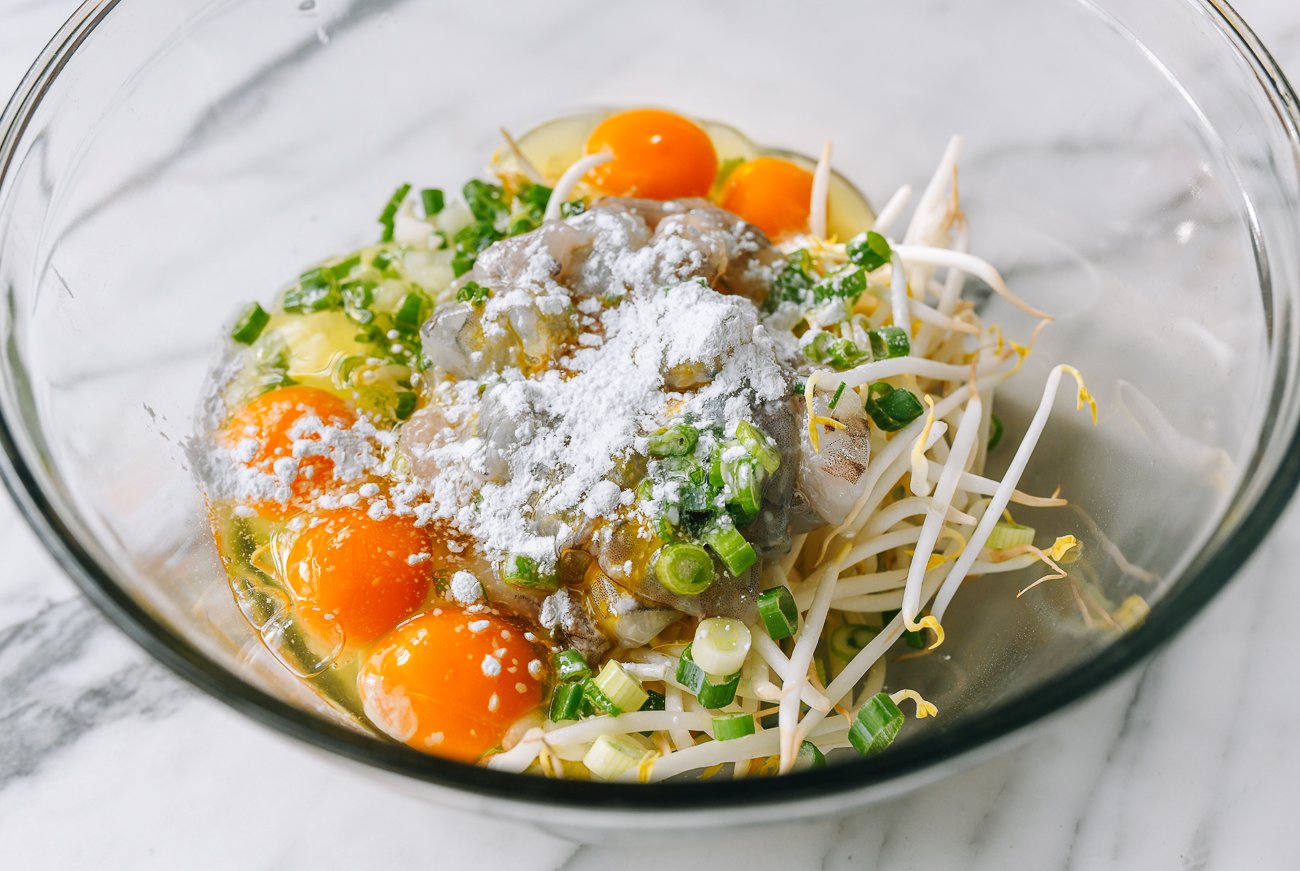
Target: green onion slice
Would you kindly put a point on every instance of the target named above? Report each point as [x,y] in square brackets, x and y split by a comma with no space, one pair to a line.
[620,687]
[614,755]
[250,323]
[521,571]
[779,612]
[995,431]
[847,284]
[1006,535]
[869,250]
[744,478]
[729,726]
[835,400]
[892,409]
[433,200]
[889,342]
[876,725]
[655,701]
[721,645]
[566,701]
[684,568]
[725,540]
[571,665]
[344,268]
[677,440]
[599,699]
[406,402]
[711,690]
[472,292]
[410,313]
[760,447]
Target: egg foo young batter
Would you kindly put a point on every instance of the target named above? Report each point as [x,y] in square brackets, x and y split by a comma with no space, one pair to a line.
[632,461]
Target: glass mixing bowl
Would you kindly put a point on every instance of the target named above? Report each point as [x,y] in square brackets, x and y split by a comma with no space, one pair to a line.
[1131,165]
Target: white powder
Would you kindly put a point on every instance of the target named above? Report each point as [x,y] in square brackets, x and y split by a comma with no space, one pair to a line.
[523,461]
[491,666]
[476,627]
[465,588]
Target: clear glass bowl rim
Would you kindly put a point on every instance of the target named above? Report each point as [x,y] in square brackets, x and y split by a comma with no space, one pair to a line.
[1186,599]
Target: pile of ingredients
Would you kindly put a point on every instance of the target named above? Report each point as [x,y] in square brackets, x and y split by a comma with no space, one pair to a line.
[632,462]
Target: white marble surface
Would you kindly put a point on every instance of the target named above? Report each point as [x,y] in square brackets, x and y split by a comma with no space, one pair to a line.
[108,761]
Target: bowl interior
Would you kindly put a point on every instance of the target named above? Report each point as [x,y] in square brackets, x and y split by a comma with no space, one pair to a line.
[1125,168]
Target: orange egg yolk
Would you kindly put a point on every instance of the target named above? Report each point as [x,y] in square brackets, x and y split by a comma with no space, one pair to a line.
[770,193]
[658,155]
[269,421]
[364,575]
[451,682]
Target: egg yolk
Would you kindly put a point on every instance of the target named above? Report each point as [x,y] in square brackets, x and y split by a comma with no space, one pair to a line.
[658,155]
[452,682]
[269,420]
[770,193]
[364,575]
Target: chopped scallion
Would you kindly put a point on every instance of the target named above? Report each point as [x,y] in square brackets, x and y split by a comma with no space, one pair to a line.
[611,756]
[779,612]
[566,701]
[711,691]
[674,441]
[729,726]
[343,268]
[995,431]
[571,665]
[1006,535]
[620,688]
[846,284]
[725,540]
[721,645]
[684,568]
[410,313]
[433,200]
[889,342]
[892,409]
[744,480]
[760,447]
[869,250]
[599,699]
[250,323]
[312,297]
[473,293]
[876,725]
[486,201]
[522,571]
[835,400]
[387,216]
[572,207]
[406,402]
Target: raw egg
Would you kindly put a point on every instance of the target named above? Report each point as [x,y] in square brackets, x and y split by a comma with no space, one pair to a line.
[771,193]
[365,575]
[269,421]
[657,154]
[452,681]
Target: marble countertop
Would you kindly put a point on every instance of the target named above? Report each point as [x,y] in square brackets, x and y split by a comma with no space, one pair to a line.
[107,760]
